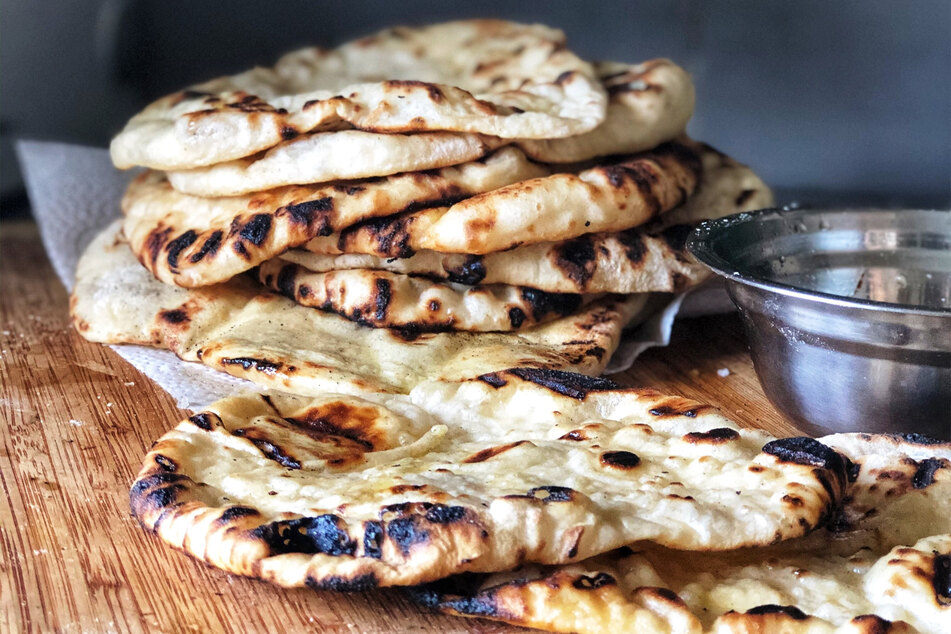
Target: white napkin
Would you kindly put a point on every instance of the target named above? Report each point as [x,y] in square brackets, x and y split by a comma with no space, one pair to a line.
[75,192]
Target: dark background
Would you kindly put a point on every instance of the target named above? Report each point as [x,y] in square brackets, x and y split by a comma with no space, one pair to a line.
[834,102]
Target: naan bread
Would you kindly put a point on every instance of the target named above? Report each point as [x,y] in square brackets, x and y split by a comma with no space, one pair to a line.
[485,76]
[882,562]
[610,196]
[648,104]
[638,260]
[194,241]
[632,261]
[381,299]
[613,196]
[728,186]
[333,156]
[346,493]
[238,328]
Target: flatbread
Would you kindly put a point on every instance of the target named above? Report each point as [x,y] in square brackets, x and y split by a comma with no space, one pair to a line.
[333,156]
[238,328]
[613,196]
[484,76]
[728,187]
[648,104]
[417,304]
[632,261]
[638,260]
[345,493]
[195,241]
[882,563]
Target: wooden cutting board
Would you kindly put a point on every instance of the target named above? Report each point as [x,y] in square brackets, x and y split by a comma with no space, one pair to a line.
[75,421]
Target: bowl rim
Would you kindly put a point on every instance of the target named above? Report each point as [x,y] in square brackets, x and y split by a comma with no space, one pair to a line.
[700,243]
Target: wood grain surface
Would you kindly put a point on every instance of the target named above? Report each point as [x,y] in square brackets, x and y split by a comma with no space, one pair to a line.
[75,421]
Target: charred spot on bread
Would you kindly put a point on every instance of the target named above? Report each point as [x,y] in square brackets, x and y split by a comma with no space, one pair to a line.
[204,420]
[543,303]
[208,247]
[570,384]
[620,459]
[714,436]
[174,248]
[165,463]
[805,451]
[256,229]
[491,452]
[576,259]
[924,475]
[233,513]
[941,581]
[308,535]
[470,272]
[304,213]
[339,583]
[593,582]
[787,610]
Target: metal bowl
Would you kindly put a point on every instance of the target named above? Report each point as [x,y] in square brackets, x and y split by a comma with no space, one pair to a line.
[847,312]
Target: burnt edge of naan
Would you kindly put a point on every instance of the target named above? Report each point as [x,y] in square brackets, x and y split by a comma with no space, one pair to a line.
[833,470]
[895,480]
[570,384]
[512,602]
[919,439]
[579,386]
[461,595]
[783,618]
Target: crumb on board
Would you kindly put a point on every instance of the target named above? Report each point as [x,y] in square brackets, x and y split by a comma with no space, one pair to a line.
[75,423]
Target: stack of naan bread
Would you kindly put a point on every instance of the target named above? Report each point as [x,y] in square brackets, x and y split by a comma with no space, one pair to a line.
[436,202]
[440,222]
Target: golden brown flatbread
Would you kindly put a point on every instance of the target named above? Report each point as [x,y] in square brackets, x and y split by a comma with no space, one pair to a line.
[648,104]
[333,156]
[611,196]
[195,241]
[883,562]
[483,76]
[417,303]
[342,492]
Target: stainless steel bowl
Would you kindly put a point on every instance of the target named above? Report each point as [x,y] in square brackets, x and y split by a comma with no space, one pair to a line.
[848,313]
